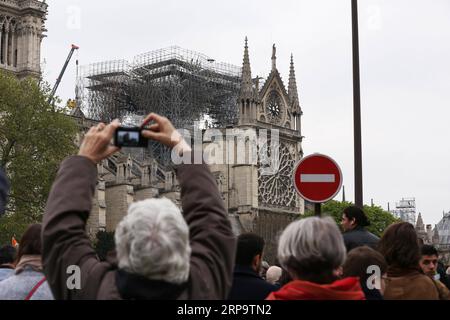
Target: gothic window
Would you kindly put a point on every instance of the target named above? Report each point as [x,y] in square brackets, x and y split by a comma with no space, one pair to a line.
[276,188]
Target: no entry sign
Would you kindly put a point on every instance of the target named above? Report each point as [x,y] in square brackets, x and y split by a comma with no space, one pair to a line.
[317,178]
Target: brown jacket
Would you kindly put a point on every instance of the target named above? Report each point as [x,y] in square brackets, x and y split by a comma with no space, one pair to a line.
[66,243]
[444,293]
[412,285]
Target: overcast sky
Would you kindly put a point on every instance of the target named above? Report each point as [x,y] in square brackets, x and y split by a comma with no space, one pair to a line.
[405,73]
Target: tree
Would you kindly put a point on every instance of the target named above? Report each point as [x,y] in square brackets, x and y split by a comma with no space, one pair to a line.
[34,138]
[379,218]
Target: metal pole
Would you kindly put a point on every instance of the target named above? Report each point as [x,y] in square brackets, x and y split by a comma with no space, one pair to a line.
[318,209]
[357,108]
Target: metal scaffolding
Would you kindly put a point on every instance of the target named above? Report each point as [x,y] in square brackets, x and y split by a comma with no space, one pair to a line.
[405,210]
[185,86]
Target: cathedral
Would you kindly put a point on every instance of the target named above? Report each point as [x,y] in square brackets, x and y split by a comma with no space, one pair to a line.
[21,32]
[257,201]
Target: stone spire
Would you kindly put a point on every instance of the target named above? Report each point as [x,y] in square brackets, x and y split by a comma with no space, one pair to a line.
[292,88]
[274,58]
[247,84]
[419,223]
[435,239]
[248,97]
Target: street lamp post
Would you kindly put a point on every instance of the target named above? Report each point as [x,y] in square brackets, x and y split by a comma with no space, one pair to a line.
[357,108]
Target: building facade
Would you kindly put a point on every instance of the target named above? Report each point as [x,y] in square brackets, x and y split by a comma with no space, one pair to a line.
[426,232]
[21,32]
[442,233]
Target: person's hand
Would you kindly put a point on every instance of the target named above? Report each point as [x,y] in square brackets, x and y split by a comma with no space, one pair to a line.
[96,143]
[163,131]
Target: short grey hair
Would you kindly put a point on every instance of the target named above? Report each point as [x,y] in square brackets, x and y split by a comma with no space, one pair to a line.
[273,274]
[153,241]
[312,245]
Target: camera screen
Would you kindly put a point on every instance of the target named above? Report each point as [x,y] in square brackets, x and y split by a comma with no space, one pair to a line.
[128,138]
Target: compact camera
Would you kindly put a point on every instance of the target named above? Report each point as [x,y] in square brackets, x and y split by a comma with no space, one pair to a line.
[130,138]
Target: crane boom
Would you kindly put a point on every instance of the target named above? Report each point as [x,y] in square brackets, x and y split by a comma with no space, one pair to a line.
[58,81]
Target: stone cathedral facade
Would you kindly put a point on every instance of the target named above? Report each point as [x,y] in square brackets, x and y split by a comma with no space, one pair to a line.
[21,32]
[256,201]
[266,202]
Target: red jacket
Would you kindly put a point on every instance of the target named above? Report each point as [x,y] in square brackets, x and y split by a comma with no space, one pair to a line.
[345,289]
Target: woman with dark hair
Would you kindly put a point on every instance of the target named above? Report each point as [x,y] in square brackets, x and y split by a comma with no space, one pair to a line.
[405,280]
[28,281]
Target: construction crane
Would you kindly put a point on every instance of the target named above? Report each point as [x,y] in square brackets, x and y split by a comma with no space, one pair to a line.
[58,81]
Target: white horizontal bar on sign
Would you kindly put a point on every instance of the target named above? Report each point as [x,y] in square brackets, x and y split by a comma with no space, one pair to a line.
[317,178]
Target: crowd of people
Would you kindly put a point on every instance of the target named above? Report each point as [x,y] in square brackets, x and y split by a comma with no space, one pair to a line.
[164,252]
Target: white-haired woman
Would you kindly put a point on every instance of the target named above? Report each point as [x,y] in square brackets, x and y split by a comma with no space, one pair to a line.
[161,252]
[312,250]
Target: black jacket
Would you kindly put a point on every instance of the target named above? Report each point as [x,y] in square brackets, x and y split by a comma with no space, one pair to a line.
[248,285]
[371,294]
[359,237]
[443,277]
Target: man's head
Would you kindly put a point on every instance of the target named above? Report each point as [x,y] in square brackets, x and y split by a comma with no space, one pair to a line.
[7,254]
[249,251]
[353,217]
[429,260]
[153,241]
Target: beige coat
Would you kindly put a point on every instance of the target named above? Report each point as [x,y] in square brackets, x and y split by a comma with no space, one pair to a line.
[411,286]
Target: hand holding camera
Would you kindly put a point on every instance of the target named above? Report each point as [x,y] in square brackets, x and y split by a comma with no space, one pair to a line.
[96,144]
[163,131]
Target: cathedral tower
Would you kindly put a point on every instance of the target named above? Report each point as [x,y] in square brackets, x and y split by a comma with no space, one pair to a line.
[21,32]
[265,198]
[248,95]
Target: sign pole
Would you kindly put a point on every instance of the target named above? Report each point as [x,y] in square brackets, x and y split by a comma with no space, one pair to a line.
[318,209]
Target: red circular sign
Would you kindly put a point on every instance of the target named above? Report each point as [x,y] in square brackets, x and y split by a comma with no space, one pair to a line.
[317,178]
